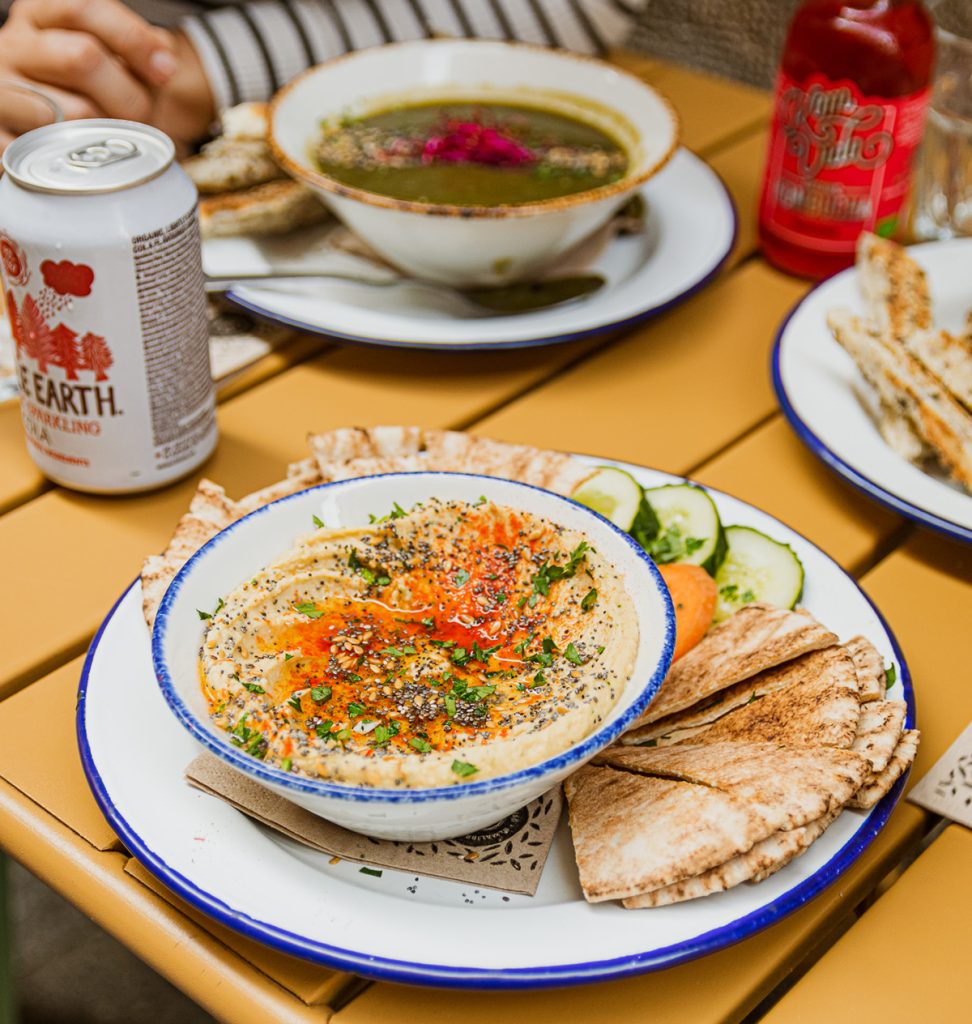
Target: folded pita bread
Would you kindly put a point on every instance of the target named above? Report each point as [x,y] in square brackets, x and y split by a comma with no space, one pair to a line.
[209,512]
[756,638]
[879,731]
[878,786]
[355,452]
[757,863]
[226,164]
[620,849]
[893,286]
[822,709]
[272,208]
[346,443]
[157,573]
[789,786]
[870,668]
[692,721]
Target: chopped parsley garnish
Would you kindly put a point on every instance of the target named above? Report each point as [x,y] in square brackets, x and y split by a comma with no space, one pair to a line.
[460,656]
[308,608]
[450,705]
[397,512]
[443,643]
[324,729]
[287,657]
[548,573]
[320,694]
[477,653]
[317,521]
[355,709]
[395,652]
[286,764]
[375,872]
[383,733]
[890,676]
[589,600]
[481,501]
[572,656]
[258,747]
[422,746]
[254,688]
[600,649]
[539,679]
[429,623]
[464,769]
[545,656]
[294,702]
[501,597]
[368,575]
[524,643]
[209,615]
[671,545]
[461,578]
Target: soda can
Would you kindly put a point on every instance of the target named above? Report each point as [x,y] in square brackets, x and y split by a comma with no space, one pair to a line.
[104,289]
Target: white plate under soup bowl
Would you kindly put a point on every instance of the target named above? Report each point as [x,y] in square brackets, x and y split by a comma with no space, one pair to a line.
[473,245]
[413,814]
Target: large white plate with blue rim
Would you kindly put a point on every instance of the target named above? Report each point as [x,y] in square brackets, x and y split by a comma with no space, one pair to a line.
[416,929]
[834,411]
[690,229]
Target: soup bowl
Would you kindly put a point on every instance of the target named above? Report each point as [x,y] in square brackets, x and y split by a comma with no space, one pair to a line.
[472,245]
[413,813]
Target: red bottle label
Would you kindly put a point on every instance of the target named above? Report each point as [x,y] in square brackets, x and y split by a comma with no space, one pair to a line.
[838,162]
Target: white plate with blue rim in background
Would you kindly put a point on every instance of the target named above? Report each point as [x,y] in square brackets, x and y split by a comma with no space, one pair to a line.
[689,233]
[410,929]
[834,411]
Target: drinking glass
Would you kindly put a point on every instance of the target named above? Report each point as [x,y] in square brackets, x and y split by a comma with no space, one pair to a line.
[942,197]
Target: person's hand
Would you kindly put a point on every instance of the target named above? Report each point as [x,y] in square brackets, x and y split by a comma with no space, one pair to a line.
[96,58]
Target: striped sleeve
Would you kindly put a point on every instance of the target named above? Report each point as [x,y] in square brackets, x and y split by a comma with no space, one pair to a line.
[251,49]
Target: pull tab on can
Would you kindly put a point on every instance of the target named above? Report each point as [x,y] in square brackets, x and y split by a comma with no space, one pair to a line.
[102,153]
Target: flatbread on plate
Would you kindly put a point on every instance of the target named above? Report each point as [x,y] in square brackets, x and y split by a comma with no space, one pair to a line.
[870,668]
[880,785]
[790,786]
[621,850]
[879,731]
[759,862]
[756,638]
[822,709]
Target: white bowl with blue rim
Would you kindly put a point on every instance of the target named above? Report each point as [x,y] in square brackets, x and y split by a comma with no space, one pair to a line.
[412,814]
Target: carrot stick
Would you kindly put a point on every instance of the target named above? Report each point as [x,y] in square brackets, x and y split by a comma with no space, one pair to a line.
[694,595]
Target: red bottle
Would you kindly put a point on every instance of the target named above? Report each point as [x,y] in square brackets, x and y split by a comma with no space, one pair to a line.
[850,108]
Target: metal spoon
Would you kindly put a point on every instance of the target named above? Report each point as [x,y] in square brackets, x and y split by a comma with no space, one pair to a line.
[522,297]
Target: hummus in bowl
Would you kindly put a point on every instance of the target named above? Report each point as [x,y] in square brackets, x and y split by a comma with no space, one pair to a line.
[413,656]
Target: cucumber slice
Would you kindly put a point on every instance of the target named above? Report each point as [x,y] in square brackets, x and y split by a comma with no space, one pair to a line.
[757,568]
[689,527]
[614,493]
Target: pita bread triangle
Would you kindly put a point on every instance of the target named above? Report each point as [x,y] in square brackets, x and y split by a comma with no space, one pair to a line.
[822,709]
[759,862]
[789,786]
[870,668]
[878,786]
[619,850]
[694,721]
[879,730]
[756,638]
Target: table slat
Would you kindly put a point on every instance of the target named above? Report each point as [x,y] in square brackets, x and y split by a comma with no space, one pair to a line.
[20,480]
[674,391]
[216,977]
[919,930]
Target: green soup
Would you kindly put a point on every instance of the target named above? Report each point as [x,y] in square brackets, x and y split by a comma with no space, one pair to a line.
[465,154]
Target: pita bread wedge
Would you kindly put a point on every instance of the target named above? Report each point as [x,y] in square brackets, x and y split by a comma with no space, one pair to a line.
[902,380]
[901,434]
[157,573]
[209,512]
[879,731]
[305,468]
[757,863]
[870,668]
[620,849]
[455,451]
[819,710]
[346,443]
[245,121]
[226,164]
[880,785]
[893,286]
[299,477]
[272,208]
[789,786]
[694,721]
[756,638]
[356,468]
